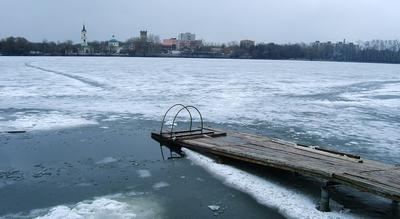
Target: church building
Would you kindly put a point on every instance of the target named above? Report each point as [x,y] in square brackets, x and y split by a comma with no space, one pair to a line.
[113,45]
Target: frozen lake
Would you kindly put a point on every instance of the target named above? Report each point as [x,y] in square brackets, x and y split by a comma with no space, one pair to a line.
[351,107]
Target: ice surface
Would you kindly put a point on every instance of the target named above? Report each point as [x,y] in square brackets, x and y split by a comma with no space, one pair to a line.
[291,203]
[323,99]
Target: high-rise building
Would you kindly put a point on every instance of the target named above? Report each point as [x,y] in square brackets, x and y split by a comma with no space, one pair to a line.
[247,43]
[188,41]
[187,36]
[143,34]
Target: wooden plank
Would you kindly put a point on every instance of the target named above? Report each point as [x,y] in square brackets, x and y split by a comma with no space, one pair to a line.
[289,150]
[367,186]
[388,176]
[325,152]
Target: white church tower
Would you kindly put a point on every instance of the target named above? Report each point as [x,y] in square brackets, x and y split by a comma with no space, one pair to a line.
[83,36]
[84,43]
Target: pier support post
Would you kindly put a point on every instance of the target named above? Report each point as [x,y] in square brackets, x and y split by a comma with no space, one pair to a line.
[324,201]
[323,204]
[396,208]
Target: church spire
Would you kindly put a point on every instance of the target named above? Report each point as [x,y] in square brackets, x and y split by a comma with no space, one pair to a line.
[83,28]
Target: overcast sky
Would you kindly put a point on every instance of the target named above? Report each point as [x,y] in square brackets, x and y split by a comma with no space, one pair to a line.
[212,20]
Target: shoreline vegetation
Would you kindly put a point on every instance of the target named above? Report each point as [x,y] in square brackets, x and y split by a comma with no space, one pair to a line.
[376,51]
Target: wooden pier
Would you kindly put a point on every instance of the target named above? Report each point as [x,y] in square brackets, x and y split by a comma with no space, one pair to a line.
[330,166]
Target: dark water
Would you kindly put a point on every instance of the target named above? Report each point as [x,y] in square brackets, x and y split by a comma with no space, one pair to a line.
[45,169]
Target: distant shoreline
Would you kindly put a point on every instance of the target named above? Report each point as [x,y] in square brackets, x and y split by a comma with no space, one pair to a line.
[376,51]
[199,57]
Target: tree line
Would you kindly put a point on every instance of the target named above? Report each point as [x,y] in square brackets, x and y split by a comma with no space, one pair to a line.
[327,51]
[18,46]
[380,51]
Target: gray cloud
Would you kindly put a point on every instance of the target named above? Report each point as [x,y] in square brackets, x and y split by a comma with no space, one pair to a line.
[212,20]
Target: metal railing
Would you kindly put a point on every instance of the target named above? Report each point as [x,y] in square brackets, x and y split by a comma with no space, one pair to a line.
[188,109]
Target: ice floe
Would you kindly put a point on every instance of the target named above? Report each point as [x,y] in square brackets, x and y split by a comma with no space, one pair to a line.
[27,121]
[118,206]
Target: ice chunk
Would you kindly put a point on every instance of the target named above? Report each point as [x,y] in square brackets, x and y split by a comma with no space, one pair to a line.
[144,173]
[107,160]
[214,207]
[160,185]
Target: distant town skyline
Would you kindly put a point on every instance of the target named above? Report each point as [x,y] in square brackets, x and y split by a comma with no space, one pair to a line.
[218,21]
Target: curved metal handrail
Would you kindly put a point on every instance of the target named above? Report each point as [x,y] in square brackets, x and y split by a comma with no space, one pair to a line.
[191,118]
[201,117]
[166,113]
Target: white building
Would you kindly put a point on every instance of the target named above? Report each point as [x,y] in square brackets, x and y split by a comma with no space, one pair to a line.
[187,41]
[187,37]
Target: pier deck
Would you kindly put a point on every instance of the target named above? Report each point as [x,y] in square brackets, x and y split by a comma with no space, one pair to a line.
[330,166]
